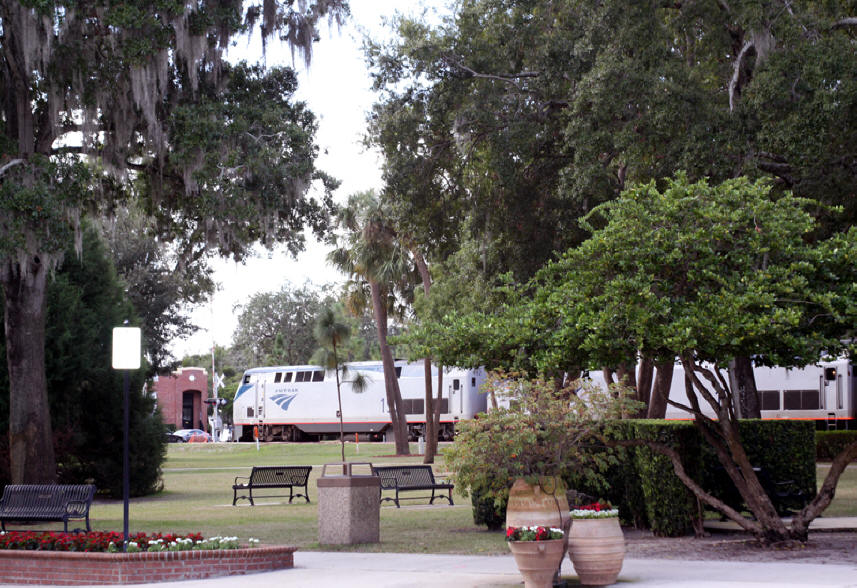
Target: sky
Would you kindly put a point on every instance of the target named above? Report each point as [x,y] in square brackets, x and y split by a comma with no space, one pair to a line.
[337,88]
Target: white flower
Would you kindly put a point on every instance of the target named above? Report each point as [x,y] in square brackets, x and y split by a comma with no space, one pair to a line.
[594,514]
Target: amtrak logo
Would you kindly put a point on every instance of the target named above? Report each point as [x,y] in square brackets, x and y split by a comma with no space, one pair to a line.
[243,389]
[283,400]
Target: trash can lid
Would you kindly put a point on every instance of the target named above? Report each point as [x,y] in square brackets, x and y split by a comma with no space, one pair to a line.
[346,469]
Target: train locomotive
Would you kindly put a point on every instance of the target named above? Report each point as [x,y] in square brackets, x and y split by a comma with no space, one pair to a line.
[299,403]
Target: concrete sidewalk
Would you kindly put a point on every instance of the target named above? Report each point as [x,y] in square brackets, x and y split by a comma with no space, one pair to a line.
[388,570]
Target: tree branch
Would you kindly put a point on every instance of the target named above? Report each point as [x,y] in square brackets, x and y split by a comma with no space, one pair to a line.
[845,22]
[801,521]
[505,78]
[10,165]
[736,74]
[781,170]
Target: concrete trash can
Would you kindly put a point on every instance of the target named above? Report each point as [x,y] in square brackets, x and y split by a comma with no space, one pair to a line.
[349,504]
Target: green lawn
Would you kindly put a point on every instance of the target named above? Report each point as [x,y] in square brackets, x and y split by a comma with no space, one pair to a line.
[845,502]
[197,497]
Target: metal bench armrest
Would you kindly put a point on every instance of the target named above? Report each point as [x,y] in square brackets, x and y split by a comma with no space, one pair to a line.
[246,481]
[76,507]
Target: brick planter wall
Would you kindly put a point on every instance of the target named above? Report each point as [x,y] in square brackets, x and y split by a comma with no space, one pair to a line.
[76,568]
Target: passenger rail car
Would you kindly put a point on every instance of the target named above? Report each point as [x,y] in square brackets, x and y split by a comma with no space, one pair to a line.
[825,393]
[295,403]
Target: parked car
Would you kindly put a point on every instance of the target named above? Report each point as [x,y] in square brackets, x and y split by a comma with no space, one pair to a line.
[190,436]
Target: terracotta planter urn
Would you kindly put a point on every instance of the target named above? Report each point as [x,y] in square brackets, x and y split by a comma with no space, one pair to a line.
[538,560]
[596,548]
[538,504]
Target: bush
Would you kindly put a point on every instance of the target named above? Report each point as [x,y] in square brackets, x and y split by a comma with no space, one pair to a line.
[648,492]
[542,434]
[828,444]
[487,511]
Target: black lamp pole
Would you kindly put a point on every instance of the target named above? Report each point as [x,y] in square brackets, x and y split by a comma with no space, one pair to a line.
[126,469]
[126,357]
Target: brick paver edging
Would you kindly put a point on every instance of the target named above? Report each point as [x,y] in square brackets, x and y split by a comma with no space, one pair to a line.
[77,568]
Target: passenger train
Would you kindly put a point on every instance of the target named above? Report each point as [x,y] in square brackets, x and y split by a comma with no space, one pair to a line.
[825,393]
[295,403]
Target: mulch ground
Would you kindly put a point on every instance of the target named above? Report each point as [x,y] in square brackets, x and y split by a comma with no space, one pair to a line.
[823,547]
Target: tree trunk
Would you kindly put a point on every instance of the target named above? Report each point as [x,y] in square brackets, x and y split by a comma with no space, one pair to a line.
[645,377]
[743,382]
[723,436]
[431,432]
[31,446]
[394,395]
[661,390]
[432,424]
[438,401]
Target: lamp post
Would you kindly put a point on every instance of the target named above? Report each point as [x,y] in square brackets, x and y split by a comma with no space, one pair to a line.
[126,357]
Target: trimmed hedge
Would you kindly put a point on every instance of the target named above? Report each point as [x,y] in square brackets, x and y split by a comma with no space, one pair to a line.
[828,444]
[644,486]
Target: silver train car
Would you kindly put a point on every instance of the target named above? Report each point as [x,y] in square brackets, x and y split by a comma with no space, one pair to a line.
[299,402]
[825,393]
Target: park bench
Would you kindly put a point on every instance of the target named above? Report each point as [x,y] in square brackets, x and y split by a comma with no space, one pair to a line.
[272,477]
[405,478]
[46,502]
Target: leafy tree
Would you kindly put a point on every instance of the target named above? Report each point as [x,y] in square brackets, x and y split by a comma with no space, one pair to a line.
[509,120]
[85,300]
[276,328]
[160,287]
[219,152]
[703,273]
[379,268]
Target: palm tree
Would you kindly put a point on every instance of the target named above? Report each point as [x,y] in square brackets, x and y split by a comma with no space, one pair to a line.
[332,332]
[380,271]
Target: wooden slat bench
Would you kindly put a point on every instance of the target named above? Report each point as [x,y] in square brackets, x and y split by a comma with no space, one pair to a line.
[272,477]
[410,477]
[46,502]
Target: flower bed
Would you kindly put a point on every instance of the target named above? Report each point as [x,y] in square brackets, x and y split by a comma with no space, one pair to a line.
[86,558]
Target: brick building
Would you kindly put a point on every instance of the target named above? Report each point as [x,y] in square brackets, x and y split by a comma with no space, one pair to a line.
[181,397]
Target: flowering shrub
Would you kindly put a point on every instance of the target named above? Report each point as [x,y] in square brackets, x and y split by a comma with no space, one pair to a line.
[544,432]
[111,541]
[537,533]
[596,510]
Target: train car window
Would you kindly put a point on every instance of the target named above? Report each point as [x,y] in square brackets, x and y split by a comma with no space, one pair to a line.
[288,377]
[399,371]
[249,411]
[456,385]
[301,376]
[472,382]
[791,399]
[444,405]
[809,400]
[318,376]
[800,399]
[247,379]
[278,378]
[830,373]
[770,399]
[417,406]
